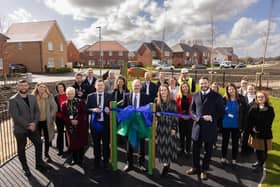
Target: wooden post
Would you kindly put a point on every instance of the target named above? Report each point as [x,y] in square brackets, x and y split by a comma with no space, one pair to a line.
[113,137]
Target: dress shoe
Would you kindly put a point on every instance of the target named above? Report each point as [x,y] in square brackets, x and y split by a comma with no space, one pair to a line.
[204,175]
[27,172]
[42,167]
[164,171]
[192,171]
[127,167]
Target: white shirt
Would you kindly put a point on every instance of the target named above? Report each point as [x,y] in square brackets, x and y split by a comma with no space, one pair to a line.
[250,98]
[101,105]
[205,92]
[137,95]
[147,88]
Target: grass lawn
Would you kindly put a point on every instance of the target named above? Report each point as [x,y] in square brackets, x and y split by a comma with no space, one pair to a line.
[273,161]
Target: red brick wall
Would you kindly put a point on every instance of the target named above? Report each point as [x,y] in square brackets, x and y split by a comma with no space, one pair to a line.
[108,61]
[145,57]
[73,54]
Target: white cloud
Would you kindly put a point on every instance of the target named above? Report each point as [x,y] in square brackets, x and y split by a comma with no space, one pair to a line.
[20,15]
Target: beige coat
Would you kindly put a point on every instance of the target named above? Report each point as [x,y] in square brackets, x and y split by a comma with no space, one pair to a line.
[51,109]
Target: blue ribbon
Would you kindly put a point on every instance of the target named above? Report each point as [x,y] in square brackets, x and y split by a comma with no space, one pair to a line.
[96,125]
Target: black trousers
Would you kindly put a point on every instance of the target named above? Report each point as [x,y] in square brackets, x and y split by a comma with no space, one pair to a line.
[78,155]
[245,148]
[208,147]
[185,132]
[234,133]
[60,132]
[130,150]
[97,137]
[261,156]
[21,139]
[42,127]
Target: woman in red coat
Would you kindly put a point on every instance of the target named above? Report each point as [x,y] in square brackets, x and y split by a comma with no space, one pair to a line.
[183,101]
[74,116]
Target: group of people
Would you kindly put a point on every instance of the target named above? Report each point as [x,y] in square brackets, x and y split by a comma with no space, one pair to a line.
[85,108]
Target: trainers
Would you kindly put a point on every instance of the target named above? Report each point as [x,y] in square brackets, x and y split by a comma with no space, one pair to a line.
[204,175]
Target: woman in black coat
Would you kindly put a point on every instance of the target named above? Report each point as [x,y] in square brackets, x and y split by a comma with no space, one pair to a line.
[260,119]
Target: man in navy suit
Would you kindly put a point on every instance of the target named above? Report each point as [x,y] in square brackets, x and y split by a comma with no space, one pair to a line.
[208,107]
[136,99]
[98,103]
[149,88]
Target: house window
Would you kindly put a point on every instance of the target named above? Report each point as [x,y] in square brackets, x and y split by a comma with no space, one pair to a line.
[166,53]
[50,62]
[120,53]
[90,53]
[50,46]
[195,54]
[20,46]
[154,54]
[204,54]
[102,53]
[187,53]
[62,64]
[61,47]
[91,63]
[110,53]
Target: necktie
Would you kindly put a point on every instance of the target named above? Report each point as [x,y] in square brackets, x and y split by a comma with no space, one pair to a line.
[203,97]
[99,99]
[135,101]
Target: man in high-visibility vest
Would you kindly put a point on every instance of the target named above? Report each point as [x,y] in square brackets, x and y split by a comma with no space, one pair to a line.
[184,77]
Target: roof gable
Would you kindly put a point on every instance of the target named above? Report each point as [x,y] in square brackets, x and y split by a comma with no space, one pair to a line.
[3,37]
[161,45]
[107,46]
[29,31]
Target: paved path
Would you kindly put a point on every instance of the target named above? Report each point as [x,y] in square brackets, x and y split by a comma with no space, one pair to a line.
[62,174]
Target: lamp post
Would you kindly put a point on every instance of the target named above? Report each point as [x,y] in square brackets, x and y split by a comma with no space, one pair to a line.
[100,57]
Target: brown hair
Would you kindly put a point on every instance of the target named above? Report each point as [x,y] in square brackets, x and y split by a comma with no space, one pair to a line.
[116,86]
[180,93]
[159,98]
[265,96]
[217,85]
[235,88]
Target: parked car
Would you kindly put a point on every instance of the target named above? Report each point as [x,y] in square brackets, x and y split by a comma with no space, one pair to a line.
[165,67]
[138,72]
[17,68]
[199,66]
[228,64]
[216,63]
[240,65]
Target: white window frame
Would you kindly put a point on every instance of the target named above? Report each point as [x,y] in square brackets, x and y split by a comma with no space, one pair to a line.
[51,62]
[110,53]
[167,53]
[187,54]
[120,53]
[50,46]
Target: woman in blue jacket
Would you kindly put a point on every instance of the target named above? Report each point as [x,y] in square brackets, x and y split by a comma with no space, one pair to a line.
[233,121]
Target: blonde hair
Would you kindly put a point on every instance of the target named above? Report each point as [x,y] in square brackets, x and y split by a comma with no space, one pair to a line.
[35,92]
[70,89]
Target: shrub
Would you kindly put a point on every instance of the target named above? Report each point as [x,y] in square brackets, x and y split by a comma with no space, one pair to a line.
[59,70]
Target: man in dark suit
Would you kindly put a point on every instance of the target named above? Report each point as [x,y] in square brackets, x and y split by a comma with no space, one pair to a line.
[208,107]
[99,102]
[25,113]
[80,90]
[136,99]
[149,88]
[89,82]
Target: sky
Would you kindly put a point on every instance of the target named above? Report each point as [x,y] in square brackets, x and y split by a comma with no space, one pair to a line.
[241,24]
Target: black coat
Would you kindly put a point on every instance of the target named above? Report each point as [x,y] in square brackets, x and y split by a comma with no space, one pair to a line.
[81,88]
[89,88]
[261,120]
[152,90]
[212,105]
[242,111]
[143,99]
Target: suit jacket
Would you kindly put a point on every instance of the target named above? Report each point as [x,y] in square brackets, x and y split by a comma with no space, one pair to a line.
[152,90]
[89,88]
[92,103]
[81,88]
[22,114]
[212,105]
[143,99]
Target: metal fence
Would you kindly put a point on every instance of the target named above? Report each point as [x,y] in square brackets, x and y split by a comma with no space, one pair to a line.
[8,146]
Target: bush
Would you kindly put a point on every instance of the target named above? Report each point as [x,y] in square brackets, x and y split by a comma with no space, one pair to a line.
[59,70]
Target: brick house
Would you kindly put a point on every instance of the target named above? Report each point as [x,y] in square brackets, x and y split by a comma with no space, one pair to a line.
[83,54]
[37,45]
[73,54]
[202,54]
[3,54]
[221,54]
[154,52]
[113,54]
[183,55]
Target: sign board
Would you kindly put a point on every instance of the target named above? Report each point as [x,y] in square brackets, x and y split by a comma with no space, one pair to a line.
[1,64]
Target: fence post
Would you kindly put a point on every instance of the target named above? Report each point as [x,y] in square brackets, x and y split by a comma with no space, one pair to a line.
[113,137]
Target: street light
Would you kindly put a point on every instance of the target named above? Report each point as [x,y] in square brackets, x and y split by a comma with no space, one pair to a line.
[100,57]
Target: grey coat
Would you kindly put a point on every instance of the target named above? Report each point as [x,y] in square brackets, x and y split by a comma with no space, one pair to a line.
[22,114]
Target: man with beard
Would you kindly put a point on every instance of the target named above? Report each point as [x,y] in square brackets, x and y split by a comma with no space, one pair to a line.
[25,113]
[207,107]
[80,88]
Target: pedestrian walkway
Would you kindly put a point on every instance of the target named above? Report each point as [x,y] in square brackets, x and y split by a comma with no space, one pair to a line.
[63,174]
